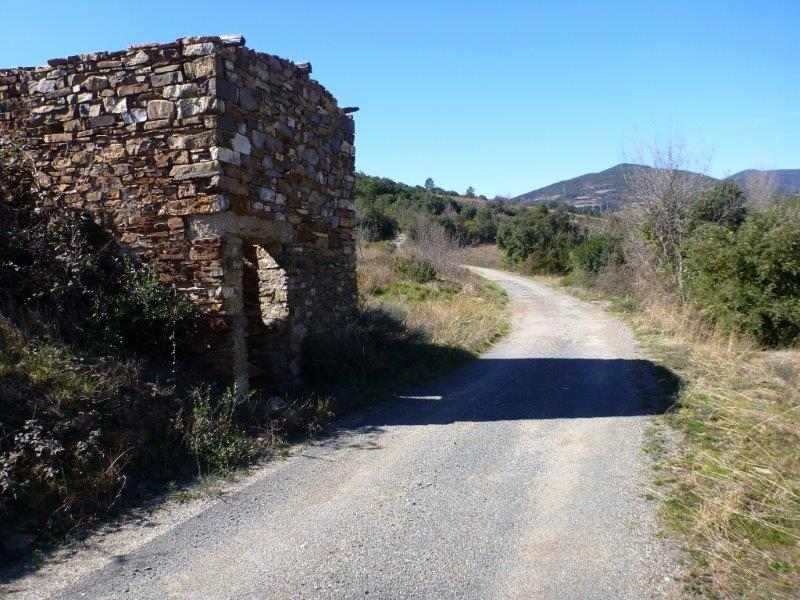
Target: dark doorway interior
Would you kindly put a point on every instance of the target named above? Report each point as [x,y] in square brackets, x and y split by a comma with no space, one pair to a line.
[266,310]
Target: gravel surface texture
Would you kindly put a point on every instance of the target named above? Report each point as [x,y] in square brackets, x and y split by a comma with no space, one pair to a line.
[521,475]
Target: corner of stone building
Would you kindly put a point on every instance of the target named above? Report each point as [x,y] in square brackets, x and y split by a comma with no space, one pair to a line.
[231,171]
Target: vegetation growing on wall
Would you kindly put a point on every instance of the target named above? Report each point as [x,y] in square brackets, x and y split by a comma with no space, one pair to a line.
[90,347]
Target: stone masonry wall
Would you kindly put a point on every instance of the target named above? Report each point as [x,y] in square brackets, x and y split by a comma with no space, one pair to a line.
[199,155]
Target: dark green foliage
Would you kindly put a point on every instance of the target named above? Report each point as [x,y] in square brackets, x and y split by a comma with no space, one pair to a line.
[214,437]
[540,240]
[482,227]
[749,279]
[74,432]
[86,342]
[58,262]
[375,225]
[418,270]
[597,252]
[145,317]
[385,207]
[724,204]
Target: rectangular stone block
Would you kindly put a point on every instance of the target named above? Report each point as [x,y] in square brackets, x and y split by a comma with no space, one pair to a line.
[198,49]
[163,79]
[202,67]
[129,90]
[192,171]
[102,121]
[54,138]
[160,109]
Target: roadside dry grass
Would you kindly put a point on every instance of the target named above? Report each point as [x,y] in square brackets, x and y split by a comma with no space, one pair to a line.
[417,320]
[456,309]
[730,486]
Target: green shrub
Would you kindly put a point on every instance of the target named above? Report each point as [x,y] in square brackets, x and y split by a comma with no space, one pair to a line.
[597,252]
[80,325]
[482,227]
[750,279]
[415,269]
[74,432]
[540,240]
[59,268]
[147,317]
[724,204]
[213,436]
[385,207]
[375,225]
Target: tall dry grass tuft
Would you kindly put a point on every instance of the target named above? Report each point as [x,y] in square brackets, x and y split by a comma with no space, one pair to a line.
[374,266]
[471,319]
[432,242]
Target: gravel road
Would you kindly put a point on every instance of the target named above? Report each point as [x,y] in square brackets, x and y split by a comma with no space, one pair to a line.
[519,476]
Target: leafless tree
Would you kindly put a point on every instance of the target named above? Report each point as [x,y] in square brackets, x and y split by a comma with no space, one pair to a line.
[659,195]
[760,188]
[432,241]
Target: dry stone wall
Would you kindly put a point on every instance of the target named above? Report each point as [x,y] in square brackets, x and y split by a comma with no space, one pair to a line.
[230,171]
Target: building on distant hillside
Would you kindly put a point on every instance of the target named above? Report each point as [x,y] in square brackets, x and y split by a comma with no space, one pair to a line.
[228,170]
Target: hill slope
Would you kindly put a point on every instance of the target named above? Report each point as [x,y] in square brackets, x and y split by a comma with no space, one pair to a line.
[606,189]
[600,190]
[784,181]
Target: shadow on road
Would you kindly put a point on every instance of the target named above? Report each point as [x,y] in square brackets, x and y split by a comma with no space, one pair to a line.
[537,388]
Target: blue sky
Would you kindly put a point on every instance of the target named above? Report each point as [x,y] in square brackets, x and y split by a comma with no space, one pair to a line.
[503,95]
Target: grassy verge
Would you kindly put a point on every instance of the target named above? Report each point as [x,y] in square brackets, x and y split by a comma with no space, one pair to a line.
[730,485]
[82,436]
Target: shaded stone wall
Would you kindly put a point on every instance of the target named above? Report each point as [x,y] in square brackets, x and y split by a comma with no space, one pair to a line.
[192,153]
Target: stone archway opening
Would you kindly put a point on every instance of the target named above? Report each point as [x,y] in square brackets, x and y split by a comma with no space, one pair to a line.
[266,312]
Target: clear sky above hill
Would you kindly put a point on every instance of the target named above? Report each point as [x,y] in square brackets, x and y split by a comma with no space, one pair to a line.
[505,96]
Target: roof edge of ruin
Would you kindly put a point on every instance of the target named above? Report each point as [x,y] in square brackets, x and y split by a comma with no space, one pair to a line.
[217,40]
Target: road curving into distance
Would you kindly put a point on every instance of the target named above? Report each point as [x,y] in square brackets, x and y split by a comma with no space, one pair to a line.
[521,475]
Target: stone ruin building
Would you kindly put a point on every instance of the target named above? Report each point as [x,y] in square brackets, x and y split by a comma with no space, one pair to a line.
[230,171]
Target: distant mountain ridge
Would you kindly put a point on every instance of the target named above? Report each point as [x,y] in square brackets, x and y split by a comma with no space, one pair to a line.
[606,190]
[785,181]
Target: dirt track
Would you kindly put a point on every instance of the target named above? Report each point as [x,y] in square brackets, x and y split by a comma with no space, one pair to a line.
[519,476]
